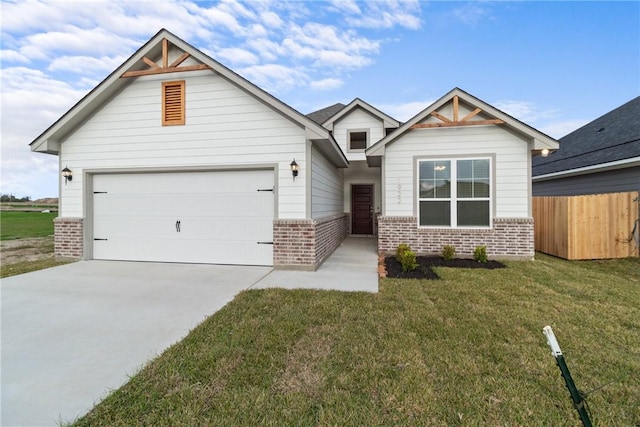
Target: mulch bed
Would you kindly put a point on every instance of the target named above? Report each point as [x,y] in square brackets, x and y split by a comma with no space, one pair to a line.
[394,268]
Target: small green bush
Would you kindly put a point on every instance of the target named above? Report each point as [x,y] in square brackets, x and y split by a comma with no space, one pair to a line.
[401,249]
[480,254]
[406,257]
[448,252]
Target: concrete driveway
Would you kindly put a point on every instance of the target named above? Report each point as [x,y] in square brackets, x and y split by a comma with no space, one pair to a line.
[73,333]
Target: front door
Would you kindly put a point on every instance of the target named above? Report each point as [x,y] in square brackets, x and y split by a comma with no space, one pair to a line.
[362,209]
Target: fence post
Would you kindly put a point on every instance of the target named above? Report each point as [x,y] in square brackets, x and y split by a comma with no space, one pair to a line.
[576,396]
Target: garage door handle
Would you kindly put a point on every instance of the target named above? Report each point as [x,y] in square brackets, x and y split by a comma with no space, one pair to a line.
[265,243]
[178,226]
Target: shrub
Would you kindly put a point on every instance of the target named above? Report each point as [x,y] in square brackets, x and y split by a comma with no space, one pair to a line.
[406,257]
[401,249]
[448,252]
[480,254]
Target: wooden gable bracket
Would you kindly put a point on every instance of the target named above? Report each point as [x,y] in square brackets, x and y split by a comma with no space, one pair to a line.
[465,121]
[166,67]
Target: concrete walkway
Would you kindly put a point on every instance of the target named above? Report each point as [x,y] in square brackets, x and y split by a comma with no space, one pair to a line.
[352,267]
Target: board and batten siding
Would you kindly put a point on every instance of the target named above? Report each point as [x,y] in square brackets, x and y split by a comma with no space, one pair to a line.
[511,165]
[225,127]
[357,119]
[326,186]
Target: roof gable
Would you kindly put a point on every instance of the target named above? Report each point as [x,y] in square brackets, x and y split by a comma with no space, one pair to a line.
[459,108]
[612,137]
[388,121]
[146,61]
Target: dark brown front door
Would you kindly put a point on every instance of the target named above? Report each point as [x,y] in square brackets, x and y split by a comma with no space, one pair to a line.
[362,209]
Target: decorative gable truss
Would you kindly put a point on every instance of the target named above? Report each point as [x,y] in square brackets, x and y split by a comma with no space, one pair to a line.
[173,93]
[165,67]
[455,120]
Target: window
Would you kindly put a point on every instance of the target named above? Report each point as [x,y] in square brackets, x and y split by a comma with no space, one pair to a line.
[357,140]
[173,103]
[454,193]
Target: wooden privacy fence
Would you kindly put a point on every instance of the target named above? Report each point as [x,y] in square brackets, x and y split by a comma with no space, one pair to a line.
[586,227]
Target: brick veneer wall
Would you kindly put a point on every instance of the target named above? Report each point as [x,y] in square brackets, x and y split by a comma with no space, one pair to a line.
[304,243]
[510,238]
[68,239]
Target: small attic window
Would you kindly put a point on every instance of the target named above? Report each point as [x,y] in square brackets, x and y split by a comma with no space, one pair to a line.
[357,140]
[173,103]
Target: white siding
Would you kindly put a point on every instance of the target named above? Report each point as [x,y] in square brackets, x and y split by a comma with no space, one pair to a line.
[358,119]
[510,166]
[326,186]
[225,127]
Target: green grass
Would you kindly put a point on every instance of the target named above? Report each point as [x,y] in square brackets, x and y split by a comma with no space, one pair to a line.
[466,350]
[19,225]
[8,270]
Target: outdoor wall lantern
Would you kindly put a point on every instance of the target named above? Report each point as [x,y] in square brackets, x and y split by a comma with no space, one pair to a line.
[294,169]
[545,152]
[67,174]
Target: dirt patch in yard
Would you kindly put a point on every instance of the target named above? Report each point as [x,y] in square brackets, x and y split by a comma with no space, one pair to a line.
[29,249]
[425,263]
[303,372]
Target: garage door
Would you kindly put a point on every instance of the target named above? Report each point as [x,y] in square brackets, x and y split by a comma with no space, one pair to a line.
[223,217]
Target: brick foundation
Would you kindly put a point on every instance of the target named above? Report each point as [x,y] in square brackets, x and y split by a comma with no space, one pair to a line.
[510,238]
[304,244]
[68,240]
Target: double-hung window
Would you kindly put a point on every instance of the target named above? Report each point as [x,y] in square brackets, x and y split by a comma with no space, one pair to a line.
[454,192]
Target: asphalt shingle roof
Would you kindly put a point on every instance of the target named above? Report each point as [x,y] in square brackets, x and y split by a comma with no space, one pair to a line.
[325,114]
[611,137]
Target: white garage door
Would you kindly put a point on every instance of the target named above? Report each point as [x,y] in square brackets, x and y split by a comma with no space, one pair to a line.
[223,217]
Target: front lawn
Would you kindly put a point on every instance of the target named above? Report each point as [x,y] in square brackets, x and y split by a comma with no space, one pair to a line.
[465,350]
[20,225]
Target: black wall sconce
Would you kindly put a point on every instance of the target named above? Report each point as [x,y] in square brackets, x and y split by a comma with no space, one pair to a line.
[294,169]
[67,174]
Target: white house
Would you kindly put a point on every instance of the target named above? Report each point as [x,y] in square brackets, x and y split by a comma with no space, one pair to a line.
[176,158]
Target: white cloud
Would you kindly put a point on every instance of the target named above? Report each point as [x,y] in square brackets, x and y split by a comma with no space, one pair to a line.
[524,111]
[326,84]
[472,13]
[271,19]
[275,77]
[86,64]
[237,56]
[386,14]
[267,49]
[406,110]
[34,102]
[347,6]
[74,40]
[13,56]
[562,128]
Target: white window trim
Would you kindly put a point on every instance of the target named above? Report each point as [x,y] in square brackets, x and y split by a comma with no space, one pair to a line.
[453,199]
[366,144]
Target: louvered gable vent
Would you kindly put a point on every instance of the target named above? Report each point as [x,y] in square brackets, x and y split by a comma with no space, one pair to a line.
[173,103]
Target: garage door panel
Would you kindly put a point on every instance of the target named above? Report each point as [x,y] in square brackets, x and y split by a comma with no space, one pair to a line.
[222,217]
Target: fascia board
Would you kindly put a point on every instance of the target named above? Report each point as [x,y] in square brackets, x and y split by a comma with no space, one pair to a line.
[602,167]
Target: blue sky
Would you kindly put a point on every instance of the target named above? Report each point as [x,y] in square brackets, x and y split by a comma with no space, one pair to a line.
[553,65]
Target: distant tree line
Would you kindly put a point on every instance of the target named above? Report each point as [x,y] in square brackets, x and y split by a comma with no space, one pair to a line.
[12,198]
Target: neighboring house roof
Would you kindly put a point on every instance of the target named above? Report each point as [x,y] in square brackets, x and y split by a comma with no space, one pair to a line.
[608,142]
[388,121]
[538,139]
[49,140]
[324,114]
